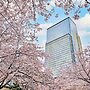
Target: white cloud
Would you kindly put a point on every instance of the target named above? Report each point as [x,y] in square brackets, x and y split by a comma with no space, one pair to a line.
[83,25]
[42,34]
[44,29]
[79,1]
[51,5]
[52,2]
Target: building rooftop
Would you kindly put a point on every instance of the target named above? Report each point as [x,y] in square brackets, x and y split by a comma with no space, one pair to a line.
[61,21]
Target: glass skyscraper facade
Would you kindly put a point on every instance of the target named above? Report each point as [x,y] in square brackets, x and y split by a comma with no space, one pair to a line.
[62,44]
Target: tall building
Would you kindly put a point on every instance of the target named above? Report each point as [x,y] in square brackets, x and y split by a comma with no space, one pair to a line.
[62,44]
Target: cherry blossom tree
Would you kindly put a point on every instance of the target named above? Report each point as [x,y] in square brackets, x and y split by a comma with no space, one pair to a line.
[70,78]
[82,67]
[73,6]
[19,54]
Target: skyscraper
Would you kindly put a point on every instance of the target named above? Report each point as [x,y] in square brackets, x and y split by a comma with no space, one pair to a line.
[62,44]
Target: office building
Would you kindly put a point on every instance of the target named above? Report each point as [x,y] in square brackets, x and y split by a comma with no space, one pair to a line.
[62,44]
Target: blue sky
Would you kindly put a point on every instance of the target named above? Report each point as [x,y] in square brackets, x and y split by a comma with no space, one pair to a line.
[83,25]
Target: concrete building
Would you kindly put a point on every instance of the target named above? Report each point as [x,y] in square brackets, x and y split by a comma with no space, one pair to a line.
[62,44]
